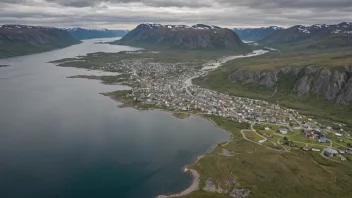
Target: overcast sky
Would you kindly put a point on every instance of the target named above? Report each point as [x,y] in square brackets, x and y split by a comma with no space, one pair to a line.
[126,14]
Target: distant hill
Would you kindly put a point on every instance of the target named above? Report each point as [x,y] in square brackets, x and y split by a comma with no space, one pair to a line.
[320,36]
[83,34]
[197,37]
[16,40]
[255,34]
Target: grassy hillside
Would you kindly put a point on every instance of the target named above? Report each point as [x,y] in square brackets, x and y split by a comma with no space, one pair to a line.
[313,104]
[16,40]
[267,173]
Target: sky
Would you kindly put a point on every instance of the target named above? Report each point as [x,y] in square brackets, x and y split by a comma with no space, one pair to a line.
[127,14]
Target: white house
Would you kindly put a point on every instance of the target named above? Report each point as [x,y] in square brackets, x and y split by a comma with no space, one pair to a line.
[283,131]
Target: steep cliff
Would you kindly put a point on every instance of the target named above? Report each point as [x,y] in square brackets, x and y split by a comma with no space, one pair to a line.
[183,37]
[333,84]
[18,40]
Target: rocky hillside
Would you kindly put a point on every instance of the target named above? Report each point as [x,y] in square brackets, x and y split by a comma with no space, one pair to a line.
[319,36]
[333,84]
[183,37]
[82,34]
[255,34]
[18,40]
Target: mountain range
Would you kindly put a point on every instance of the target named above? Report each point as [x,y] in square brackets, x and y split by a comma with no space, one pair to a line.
[319,36]
[196,37]
[83,34]
[16,40]
[255,34]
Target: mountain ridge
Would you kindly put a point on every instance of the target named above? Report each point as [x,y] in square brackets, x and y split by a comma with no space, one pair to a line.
[16,40]
[82,33]
[255,34]
[318,36]
[196,37]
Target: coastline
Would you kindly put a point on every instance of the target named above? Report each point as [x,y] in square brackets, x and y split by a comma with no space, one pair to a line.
[195,175]
[194,186]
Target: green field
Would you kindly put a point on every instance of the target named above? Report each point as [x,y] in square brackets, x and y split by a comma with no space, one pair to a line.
[181,115]
[252,136]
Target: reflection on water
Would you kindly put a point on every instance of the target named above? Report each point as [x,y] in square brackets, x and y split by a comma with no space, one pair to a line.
[60,138]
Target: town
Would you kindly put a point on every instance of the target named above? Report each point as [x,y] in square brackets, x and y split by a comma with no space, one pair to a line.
[169,86]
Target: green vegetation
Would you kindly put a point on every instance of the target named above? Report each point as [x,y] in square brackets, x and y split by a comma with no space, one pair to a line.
[268,173]
[311,104]
[181,115]
[22,41]
[263,171]
[128,100]
[115,79]
[252,136]
[18,49]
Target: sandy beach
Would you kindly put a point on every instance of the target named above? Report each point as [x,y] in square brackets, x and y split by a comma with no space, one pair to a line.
[192,188]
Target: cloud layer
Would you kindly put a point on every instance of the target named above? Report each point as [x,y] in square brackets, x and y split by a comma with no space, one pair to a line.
[126,14]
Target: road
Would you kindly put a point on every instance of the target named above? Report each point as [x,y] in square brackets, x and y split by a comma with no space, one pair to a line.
[253,130]
[172,93]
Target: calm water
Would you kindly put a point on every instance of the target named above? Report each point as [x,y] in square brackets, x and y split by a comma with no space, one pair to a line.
[59,138]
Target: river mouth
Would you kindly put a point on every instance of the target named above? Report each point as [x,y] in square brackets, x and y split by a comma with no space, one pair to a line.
[61,138]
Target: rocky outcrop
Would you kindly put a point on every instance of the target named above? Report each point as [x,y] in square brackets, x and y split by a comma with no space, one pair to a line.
[240,193]
[230,182]
[210,186]
[334,84]
[183,37]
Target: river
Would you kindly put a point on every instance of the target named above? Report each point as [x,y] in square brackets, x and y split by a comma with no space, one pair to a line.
[59,138]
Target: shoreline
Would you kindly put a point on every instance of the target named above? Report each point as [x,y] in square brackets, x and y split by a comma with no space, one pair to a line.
[194,186]
[195,175]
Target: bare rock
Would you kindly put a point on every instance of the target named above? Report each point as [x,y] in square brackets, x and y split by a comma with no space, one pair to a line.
[226,153]
[331,83]
[240,193]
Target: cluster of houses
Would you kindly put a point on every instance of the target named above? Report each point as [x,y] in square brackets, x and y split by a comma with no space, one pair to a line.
[316,134]
[331,152]
[170,85]
[321,138]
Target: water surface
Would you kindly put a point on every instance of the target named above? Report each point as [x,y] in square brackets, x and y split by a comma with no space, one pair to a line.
[59,138]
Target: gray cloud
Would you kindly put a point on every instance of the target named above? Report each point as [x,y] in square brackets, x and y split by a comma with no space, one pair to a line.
[129,13]
[153,3]
[203,3]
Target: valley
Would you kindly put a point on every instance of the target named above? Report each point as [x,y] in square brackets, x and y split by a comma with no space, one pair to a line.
[163,81]
[175,99]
